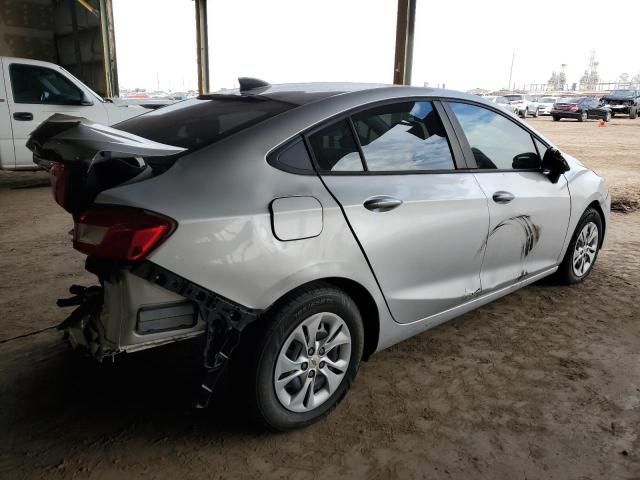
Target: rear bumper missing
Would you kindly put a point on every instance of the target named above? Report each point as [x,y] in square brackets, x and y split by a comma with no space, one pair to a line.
[141,307]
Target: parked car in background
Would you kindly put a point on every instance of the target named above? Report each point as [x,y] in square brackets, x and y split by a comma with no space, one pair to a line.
[523,104]
[502,102]
[381,212]
[625,102]
[31,91]
[580,108]
[545,104]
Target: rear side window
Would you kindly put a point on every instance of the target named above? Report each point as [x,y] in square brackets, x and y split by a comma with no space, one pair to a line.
[40,85]
[335,149]
[405,136]
[202,121]
[292,158]
[496,142]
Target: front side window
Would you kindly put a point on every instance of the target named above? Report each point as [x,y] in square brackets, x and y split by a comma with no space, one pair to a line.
[335,149]
[496,142]
[32,84]
[405,136]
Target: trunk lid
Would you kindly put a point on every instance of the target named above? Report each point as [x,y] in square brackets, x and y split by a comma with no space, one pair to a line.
[85,158]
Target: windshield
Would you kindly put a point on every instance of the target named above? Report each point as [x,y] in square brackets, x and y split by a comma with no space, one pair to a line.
[622,93]
[511,98]
[547,100]
[85,86]
[202,121]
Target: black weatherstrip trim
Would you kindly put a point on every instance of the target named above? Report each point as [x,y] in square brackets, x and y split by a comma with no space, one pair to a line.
[462,138]
[454,143]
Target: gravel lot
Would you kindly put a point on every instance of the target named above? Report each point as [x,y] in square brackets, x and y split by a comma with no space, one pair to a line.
[542,384]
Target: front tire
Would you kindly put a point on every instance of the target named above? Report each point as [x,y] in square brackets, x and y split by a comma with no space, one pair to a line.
[536,113]
[556,118]
[307,358]
[524,113]
[583,249]
[633,113]
[607,117]
[583,116]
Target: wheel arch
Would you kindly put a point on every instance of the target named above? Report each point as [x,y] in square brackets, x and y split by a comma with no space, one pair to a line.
[598,208]
[363,300]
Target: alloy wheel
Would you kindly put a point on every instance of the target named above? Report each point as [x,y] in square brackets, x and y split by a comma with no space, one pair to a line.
[312,362]
[586,247]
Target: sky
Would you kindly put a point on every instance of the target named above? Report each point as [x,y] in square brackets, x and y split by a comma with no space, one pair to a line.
[462,44]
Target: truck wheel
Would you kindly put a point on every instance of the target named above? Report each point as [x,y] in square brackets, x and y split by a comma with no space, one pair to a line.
[633,112]
[556,118]
[583,250]
[306,358]
[536,113]
[582,117]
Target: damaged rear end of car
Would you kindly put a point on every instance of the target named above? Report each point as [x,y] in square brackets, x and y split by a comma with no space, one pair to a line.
[136,303]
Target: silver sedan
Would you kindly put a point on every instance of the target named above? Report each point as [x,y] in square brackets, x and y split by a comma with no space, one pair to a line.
[303,228]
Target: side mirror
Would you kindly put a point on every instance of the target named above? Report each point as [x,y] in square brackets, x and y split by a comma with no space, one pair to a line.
[554,164]
[526,161]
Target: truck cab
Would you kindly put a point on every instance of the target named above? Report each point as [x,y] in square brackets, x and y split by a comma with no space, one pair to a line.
[31,91]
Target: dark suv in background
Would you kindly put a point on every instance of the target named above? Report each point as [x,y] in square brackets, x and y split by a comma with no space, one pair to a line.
[580,108]
[623,101]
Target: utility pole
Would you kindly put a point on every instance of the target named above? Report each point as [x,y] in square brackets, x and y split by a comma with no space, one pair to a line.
[513,57]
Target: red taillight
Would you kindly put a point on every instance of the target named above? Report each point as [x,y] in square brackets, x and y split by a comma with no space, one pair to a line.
[120,233]
[58,182]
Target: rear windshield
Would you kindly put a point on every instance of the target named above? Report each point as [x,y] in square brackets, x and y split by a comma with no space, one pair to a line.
[203,121]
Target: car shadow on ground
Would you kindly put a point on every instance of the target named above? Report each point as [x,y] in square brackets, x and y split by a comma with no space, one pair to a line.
[149,392]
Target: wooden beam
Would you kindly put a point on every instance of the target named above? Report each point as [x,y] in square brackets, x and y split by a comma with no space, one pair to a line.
[405,26]
[109,49]
[202,41]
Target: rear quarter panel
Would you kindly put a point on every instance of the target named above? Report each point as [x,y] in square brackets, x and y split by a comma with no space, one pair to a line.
[220,197]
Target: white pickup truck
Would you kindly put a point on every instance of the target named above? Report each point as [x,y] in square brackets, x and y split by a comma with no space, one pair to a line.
[31,91]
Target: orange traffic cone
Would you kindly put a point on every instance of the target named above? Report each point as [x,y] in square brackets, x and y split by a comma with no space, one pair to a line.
[602,124]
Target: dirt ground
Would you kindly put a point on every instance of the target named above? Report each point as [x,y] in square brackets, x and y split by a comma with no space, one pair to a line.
[542,384]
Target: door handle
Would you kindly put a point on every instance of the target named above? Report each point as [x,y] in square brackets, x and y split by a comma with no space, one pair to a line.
[23,116]
[503,197]
[383,203]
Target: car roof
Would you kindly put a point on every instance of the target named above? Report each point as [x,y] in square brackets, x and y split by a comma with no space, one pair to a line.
[306,93]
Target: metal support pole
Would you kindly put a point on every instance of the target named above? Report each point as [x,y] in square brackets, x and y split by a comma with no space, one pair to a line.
[405,28]
[109,49]
[202,41]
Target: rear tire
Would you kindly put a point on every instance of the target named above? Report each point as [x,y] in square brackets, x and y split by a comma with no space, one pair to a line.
[556,118]
[567,273]
[288,340]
